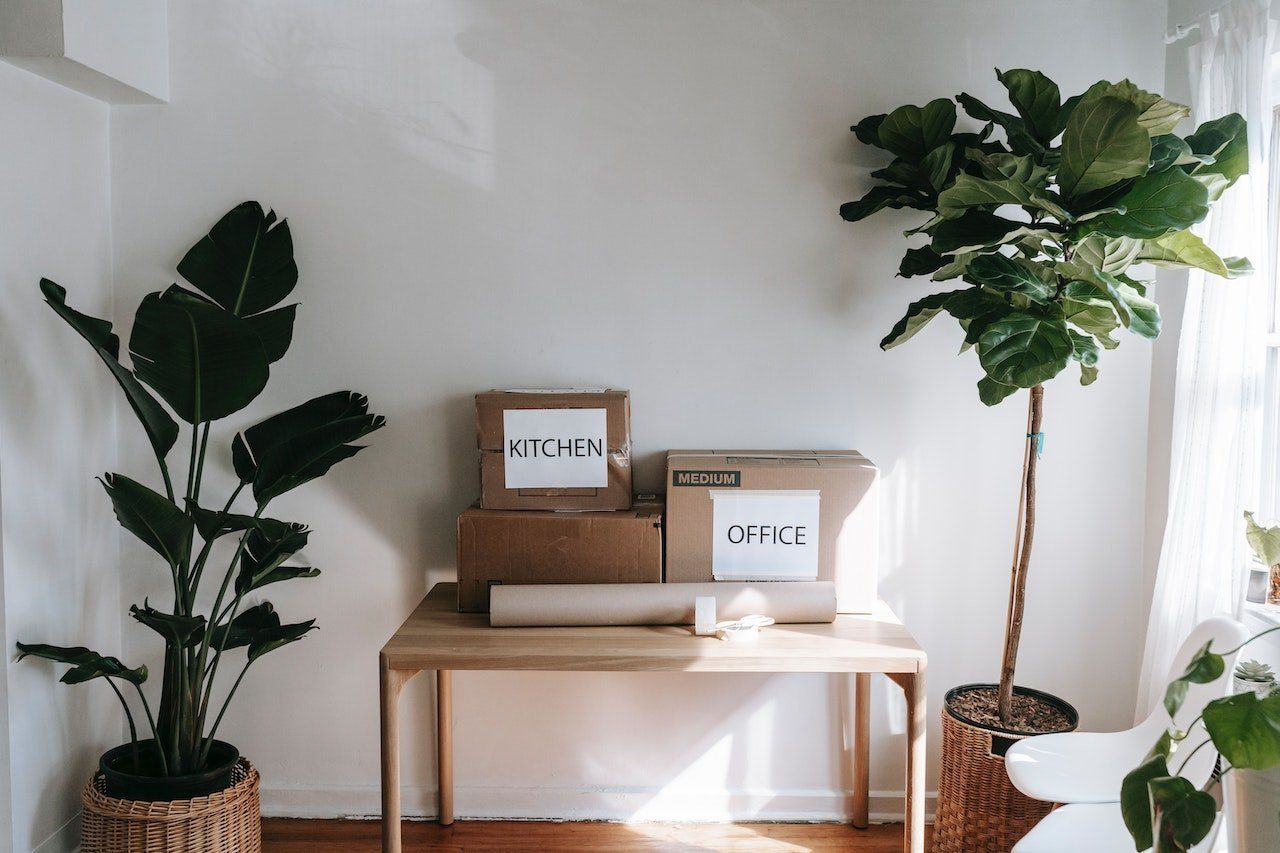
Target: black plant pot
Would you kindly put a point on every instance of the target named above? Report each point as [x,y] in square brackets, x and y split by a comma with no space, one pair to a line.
[128,781]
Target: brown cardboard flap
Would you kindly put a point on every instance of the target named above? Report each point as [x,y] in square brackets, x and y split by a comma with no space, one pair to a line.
[491,404]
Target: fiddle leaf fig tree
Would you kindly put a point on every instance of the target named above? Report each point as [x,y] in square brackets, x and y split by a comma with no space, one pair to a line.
[200,356]
[1039,224]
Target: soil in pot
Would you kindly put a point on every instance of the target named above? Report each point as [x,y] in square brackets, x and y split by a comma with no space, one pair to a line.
[142,780]
[1032,712]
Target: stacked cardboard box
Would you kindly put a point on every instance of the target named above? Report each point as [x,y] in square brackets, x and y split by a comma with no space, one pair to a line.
[555,495]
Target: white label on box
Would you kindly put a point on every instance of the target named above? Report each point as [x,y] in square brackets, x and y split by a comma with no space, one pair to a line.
[764,534]
[555,448]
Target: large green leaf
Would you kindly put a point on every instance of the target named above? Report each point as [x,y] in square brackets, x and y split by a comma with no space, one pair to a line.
[262,561]
[919,313]
[1226,140]
[1246,729]
[1010,276]
[271,638]
[921,261]
[1183,814]
[1168,151]
[1135,800]
[1025,349]
[161,429]
[937,165]
[204,361]
[302,443]
[151,517]
[1102,144]
[1089,308]
[1109,254]
[880,197]
[991,392]
[1084,349]
[913,132]
[85,663]
[1185,249]
[178,630]
[1265,541]
[1154,206]
[274,330]
[1000,166]
[242,630]
[1021,140]
[1204,667]
[1036,98]
[968,191]
[976,227]
[1156,115]
[868,130]
[245,263]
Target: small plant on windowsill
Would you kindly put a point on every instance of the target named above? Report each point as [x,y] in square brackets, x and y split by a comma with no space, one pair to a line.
[207,353]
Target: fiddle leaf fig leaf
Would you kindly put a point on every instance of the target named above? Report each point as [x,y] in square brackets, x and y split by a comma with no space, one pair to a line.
[1246,729]
[1084,349]
[1025,349]
[975,228]
[245,263]
[991,392]
[880,197]
[1186,249]
[919,313]
[968,191]
[912,132]
[1000,166]
[1155,206]
[1168,151]
[921,261]
[85,663]
[161,429]
[1089,309]
[1265,541]
[936,165]
[1021,140]
[1109,254]
[1010,276]
[1102,145]
[1036,98]
[868,130]
[1225,140]
[151,517]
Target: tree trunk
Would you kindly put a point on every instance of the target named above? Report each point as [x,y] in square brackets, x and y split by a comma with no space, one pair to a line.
[1022,554]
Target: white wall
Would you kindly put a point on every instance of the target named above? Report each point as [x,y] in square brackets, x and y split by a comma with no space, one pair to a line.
[641,194]
[59,552]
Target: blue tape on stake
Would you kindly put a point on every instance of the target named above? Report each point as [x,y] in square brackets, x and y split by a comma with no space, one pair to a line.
[1039,439]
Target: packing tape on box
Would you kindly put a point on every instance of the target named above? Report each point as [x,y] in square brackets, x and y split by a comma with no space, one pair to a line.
[566,605]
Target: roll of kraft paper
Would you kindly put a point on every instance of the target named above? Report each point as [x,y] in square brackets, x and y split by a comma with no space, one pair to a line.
[586,604]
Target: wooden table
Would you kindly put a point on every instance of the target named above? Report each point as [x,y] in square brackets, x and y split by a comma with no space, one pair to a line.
[437,637]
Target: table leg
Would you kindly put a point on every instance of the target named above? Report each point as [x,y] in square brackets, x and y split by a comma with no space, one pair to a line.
[444,743]
[390,681]
[861,749]
[917,723]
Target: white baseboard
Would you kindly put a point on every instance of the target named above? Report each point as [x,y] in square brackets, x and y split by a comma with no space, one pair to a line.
[611,804]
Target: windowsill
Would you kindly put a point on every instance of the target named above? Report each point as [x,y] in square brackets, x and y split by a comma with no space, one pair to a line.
[1267,613]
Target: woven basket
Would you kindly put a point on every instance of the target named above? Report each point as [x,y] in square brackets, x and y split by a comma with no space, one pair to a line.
[979,810]
[229,821]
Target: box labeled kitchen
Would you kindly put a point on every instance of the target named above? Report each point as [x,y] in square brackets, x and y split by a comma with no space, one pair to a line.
[775,515]
[567,449]
[534,547]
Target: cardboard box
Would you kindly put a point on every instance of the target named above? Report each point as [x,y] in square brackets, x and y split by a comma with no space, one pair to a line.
[504,546]
[775,515]
[556,449]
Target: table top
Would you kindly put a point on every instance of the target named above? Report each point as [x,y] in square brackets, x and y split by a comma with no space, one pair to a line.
[437,636]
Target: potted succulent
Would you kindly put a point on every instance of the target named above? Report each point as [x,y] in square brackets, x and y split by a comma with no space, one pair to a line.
[202,355]
[1252,676]
[1038,222]
[1166,812]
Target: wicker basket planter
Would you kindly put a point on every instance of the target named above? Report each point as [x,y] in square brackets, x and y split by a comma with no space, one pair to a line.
[228,821]
[979,810]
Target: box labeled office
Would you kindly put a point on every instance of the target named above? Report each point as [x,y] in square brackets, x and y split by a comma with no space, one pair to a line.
[560,449]
[775,515]
[530,547]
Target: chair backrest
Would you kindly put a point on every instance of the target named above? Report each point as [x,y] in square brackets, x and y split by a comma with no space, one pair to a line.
[1224,633]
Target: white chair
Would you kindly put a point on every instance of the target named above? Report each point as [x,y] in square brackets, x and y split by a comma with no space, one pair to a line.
[1085,769]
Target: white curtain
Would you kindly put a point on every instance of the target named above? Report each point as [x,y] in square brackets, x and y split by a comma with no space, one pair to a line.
[1217,412]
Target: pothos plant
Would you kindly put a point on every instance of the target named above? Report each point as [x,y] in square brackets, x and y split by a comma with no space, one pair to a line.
[1039,222]
[1163,810]
[207,354]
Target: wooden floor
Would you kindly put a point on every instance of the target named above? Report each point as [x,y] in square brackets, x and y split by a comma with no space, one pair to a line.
[353,836]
